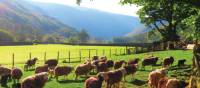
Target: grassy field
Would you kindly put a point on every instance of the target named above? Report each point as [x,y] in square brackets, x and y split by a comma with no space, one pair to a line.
[22,53]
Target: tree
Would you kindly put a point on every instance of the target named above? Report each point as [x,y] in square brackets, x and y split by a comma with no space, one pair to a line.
[163,15]
[83,36]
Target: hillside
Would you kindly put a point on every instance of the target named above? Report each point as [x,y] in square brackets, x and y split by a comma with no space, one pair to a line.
[98,23]
[18,19]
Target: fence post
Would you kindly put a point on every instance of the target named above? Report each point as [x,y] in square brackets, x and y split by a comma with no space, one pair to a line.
[110,52]
[69,56]
[58,57]
[80,55]
[103,52]
[13,60]
[89,53]
[30,56]
[120,52]
[96,52]
[115,51]
[45,56]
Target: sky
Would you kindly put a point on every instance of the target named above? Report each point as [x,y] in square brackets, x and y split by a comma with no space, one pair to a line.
[112,6]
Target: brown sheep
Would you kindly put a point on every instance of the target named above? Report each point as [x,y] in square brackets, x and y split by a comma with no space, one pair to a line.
[5,73]
[30,64]
[95,58]
[181,62]
[110,63]
[35,81]
[41,69]
[102,67]
[130,69]
[113,78]
[155,76]
[168,61]
[149,61]
[94,82]
[171,83]
[118,64]
[134,61]
[16,74]
[83,69]
[52,63]
[62,70]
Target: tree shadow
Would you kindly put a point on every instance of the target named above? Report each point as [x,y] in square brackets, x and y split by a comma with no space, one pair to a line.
[70,81]
[138,82]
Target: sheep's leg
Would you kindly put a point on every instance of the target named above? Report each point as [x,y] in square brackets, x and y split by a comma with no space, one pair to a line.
[76,77]
[56,78]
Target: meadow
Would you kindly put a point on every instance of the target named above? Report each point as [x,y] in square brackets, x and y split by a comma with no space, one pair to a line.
[140,78]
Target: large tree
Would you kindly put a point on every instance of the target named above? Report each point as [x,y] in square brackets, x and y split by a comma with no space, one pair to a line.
[163,15]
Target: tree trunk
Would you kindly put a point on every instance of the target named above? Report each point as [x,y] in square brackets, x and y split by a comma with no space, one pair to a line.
[196,60]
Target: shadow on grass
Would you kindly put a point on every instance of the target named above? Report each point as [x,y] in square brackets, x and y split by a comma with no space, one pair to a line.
[71,81]
[182,67]
[138,82]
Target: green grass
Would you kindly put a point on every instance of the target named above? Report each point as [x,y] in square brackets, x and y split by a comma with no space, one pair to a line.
[22,54]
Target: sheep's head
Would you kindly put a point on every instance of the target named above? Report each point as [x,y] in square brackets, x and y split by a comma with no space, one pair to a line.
[35,58]
[100,76]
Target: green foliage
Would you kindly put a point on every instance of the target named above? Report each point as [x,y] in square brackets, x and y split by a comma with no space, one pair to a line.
[83,36]
[163,15]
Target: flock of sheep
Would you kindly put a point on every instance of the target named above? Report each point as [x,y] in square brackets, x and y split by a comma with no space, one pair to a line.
[108,71]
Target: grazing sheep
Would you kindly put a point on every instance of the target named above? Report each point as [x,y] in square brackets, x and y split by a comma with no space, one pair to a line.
[102,67]
[35,81]
[118,64]
[94,82]
[155,76]
[181,62]
[134,61]
[95,58]
[4,71]
[83,69]
[130,69]
[41,69]
[62,70]
[171,83]
[149,61]
[16,74]
[110,63]
[30,64]
[52,63]
[5,74]
[168,61]
[113,78]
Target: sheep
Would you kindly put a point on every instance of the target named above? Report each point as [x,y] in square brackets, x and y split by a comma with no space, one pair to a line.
[181,62]
[149,61]
[94,82]
[62,70]
[110,63]
[113,78]
[155,76]
[171,83]
[134,61]
[119,64]
[35,81]
[41,69]
[168,61]
[102,67]
[5,73]
[83,69]
[130,69]
[16,74]
[30,63]
[52,63]
[95,58]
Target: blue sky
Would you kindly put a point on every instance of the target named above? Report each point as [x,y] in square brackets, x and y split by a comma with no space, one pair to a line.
[112,6]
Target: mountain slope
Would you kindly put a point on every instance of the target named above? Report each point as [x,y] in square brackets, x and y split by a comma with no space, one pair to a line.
[98,23]
[17,18]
